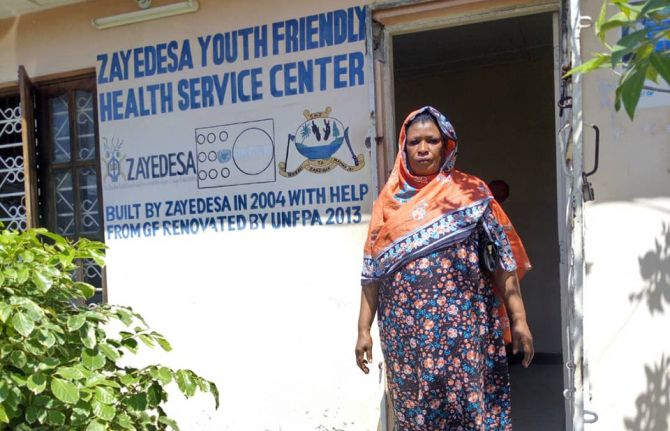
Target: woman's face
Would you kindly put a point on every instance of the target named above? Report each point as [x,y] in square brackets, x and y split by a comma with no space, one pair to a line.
[425,147]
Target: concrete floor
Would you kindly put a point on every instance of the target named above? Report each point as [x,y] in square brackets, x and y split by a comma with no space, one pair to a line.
[537,397]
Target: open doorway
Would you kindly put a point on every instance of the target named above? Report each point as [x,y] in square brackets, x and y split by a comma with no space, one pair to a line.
[495,82]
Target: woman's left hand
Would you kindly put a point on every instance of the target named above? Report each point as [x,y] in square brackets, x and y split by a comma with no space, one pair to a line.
[522,339]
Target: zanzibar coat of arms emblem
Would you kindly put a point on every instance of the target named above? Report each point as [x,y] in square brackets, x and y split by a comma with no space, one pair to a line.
[317,140]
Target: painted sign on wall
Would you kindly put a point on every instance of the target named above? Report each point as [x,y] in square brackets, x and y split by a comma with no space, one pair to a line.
[255,128]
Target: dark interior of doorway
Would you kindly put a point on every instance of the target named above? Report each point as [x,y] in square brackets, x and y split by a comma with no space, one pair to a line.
[494,80]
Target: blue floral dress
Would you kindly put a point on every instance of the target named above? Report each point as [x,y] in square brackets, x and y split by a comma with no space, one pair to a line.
[443,342]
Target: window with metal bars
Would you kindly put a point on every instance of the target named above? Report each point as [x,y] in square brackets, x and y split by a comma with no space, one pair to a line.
[12,191]
[70,195]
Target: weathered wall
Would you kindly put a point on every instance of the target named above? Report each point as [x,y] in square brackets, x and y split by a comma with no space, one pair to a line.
[270,316]
[627,253]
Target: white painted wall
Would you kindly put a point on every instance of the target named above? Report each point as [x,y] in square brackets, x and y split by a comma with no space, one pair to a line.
[270,316]
[627,253]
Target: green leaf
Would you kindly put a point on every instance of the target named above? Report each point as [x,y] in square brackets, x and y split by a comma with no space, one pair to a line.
[54,237]
[631,89]
[14,399]
[130,344]
[5,311]
[35,413]
[653,5]
[33,310]
[203,384]
[41,281]
[631,39]
[215,392]
[65,391]
[124,316]
[46,338]
[70,373]
[80,414]
[18,379]
[3,414]
[96,426]
[98,257]
[4,391]
[128,379]
[18,358]
[169,422]
[652,75]
[76,321]
[161,341]
[164,375]
[103,411]
[22,274]
[49,363]
[6,350]
[10,273]
[138,402]
[154,395]
[104,395]
[146,339]
[22,323]
[617,99]
[185,382]
[86,289]
[87,336]
[55,418]
[93,360]
[590,65]
[66,257]
[110,352]
[43,401]
[37,383]
[630,10]
[662,65]
[124,421]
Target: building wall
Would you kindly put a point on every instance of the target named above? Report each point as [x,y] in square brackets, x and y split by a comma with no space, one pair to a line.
[504,117]
[309,349]
[627,254]
[269,315]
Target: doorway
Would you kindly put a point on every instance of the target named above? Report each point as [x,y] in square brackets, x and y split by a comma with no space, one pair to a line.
[495,81]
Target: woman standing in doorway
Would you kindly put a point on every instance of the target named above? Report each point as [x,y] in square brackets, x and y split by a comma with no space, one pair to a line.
[442,315]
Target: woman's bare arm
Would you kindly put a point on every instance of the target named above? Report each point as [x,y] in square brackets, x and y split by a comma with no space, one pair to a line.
[369,302]
[508,284]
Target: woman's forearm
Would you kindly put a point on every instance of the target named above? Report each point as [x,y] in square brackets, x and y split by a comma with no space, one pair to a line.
[369,302]
[508,283]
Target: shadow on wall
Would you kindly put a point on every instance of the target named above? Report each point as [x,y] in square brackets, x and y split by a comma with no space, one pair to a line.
[653,406]
[655,270]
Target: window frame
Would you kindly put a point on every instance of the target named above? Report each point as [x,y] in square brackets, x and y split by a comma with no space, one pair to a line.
[44,89]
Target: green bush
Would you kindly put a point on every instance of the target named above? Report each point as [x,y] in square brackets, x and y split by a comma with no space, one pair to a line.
[59,360]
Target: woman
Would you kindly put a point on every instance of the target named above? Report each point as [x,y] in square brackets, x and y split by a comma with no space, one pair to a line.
[442,323]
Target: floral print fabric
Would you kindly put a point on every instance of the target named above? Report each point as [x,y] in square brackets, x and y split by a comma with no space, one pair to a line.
[442,340]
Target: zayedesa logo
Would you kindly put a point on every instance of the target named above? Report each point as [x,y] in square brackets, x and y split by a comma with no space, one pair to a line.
[120,166]
[113,159]
[157,166]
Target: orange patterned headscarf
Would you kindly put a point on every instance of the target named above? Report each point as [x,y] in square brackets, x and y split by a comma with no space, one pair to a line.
[416,215]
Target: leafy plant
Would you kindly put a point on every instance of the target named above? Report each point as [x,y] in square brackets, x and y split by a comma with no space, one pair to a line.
[641,53]
[59,359]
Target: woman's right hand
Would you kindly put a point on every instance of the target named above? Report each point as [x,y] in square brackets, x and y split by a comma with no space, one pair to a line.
[364,350]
